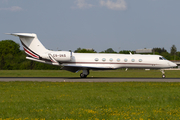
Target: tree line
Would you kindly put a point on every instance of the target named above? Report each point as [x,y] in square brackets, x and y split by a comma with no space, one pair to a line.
[173,55]
[12,58]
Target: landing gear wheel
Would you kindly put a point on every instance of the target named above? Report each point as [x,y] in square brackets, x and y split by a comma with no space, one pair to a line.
[163,73]
[163,76]
[83,75]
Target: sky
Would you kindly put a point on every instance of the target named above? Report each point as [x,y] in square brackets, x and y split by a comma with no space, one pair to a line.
[97,24]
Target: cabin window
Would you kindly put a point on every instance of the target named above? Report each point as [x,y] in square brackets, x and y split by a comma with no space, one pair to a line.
[118,59]
[104,59]
[125,60]
[96,59]
[140,60]
[133,60]
[111,59]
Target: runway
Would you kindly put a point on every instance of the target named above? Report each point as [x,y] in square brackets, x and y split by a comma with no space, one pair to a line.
[41,79]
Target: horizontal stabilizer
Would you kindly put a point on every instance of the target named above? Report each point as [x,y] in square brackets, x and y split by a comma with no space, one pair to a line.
[31,35]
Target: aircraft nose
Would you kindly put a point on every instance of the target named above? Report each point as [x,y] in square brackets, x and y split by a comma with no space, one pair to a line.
[172,64]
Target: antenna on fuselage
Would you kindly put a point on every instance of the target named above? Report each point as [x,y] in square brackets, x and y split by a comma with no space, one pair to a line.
[71,53]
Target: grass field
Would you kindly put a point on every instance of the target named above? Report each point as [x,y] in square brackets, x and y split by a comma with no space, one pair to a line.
[109,73]
[93,101]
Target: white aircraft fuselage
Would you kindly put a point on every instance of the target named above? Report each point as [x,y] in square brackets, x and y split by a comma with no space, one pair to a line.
[115,61]
[88,61]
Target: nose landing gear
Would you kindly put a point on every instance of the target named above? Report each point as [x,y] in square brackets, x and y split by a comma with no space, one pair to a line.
[163,74]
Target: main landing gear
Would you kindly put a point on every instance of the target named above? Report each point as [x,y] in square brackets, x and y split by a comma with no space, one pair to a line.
[163,74]
[84,74]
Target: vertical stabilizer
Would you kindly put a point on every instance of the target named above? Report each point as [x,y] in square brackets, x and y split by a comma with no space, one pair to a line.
[32,46]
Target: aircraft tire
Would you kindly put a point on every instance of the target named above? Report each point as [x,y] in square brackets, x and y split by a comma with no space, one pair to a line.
[83,75]
[163,76]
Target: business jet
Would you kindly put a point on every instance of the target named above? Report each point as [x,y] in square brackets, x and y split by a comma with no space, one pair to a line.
[88,61]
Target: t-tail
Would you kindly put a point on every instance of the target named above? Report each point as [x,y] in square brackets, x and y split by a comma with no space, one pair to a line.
[31,45]
[35,50]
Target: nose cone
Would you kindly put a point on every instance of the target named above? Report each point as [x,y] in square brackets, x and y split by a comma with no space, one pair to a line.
[171,64]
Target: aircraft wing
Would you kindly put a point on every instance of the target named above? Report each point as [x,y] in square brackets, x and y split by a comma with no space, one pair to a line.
[71,69]
[77,68]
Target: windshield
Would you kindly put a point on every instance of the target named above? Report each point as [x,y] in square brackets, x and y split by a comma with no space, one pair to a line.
[162,58]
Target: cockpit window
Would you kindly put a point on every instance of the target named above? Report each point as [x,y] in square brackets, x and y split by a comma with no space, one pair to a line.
[162,58]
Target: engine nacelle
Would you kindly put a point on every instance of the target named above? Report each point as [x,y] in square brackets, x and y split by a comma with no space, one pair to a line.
[61,56]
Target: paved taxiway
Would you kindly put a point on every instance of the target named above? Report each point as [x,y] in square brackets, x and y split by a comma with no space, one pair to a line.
[91,79]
